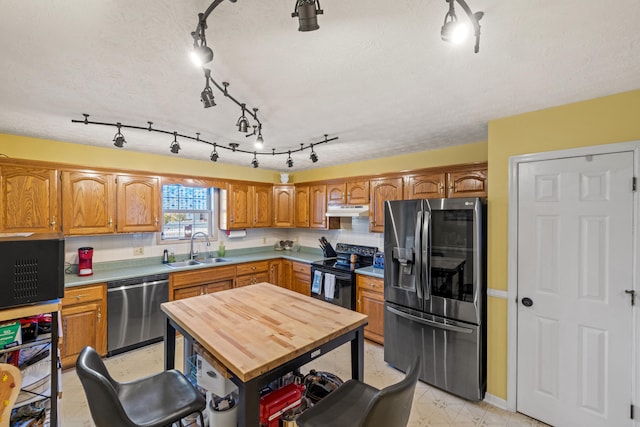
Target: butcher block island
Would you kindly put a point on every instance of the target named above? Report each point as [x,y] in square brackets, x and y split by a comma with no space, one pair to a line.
[261,332]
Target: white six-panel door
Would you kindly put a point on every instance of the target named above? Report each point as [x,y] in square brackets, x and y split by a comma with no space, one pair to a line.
[574,262]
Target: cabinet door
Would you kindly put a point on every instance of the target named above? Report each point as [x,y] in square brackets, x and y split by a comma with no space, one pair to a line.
[318,206]
[138,203]
[82,325]
[336,193]
[425,186]
[191,291]
[88,203]
[239,204]
[370,301]
[301,199]
[382,190]
[468,183]
[301,278]
[357,192]
[287,273]
[275,272]
[283,205]
[218,286]
[262,205]
[29,200]
[252,279]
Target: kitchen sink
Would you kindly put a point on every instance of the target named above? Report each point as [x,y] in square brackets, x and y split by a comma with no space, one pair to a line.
[185,263]
[212,260]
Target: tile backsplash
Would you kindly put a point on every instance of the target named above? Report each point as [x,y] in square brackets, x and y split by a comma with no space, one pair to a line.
[121,246]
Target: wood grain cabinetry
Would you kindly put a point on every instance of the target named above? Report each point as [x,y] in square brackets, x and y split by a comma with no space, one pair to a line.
[467,183]
[248,206]
[251,273]
[318,209]
[301,278]
[186,284]
[382,189]
[276,273]
[456,181]
[348,193]
[29,199]
[370,301]
[102,203]
[284,205]
[84,321]
[301,206]
[425,186]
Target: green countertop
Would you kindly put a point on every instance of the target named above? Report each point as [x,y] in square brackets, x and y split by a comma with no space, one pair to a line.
[371,271]
[116,270]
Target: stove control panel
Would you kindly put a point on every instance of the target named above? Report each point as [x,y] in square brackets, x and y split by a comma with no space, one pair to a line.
[366,251]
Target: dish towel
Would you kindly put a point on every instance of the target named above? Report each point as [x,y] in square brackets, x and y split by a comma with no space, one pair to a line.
[316,287]
[329,285]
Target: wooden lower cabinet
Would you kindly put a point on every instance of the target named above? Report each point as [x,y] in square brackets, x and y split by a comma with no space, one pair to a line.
[187,284]
[84,322]
[301,278]
[370,301]
[251,273]
[276,273]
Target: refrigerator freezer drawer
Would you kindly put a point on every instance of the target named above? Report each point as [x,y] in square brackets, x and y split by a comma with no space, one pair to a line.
[453,353]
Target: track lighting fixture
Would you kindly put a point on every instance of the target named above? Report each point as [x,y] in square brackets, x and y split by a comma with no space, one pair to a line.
[207,94]
[456,32]
[175,147]
[243,123]
[118,139]
[307,12]
[313,156]
[232,146]
[214,154]
[259,144]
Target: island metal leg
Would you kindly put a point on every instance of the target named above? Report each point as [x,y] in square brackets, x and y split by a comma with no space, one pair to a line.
[357,355]
[249,410]
[169,345]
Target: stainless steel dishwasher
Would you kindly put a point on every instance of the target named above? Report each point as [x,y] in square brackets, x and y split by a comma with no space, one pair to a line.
[133,312]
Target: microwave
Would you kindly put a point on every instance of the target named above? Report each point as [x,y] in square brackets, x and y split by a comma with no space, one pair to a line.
[31,268]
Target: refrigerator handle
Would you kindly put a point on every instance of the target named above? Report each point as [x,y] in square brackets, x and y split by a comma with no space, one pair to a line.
[425,248]
[417,248]
[429,322]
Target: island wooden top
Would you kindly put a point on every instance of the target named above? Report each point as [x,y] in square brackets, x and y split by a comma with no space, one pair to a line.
[254,329]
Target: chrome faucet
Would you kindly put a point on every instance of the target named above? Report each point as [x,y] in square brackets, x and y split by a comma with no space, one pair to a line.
[193,255]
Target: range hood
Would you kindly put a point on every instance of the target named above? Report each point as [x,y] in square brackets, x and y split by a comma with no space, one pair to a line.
[348,210]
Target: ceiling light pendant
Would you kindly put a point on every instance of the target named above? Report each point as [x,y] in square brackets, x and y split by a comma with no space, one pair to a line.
[175,147]
[254,162]
[454,31]
[313,156]
[243,122]
[259,144]
[214,154]
[289,161]
[118,139]
[307,12]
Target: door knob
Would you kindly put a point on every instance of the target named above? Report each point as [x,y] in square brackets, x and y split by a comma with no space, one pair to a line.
[632,294]
[527,302]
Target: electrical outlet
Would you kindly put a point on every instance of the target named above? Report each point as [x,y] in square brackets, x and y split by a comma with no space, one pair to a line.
[138,251]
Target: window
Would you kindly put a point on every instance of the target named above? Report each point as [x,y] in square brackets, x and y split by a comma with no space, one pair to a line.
[186,211]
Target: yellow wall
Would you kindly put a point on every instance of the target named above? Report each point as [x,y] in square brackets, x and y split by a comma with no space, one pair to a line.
[467,153]
[598,121]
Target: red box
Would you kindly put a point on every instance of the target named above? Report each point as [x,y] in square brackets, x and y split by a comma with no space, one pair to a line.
[274,404]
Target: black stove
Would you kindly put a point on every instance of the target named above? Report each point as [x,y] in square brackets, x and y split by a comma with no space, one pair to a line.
[334,279]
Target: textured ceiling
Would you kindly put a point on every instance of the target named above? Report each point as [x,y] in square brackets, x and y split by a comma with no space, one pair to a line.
[375,74]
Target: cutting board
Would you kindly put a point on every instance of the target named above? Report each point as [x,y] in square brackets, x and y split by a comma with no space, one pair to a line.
[10,383]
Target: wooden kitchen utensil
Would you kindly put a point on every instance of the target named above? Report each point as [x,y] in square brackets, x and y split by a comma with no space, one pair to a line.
[10,383]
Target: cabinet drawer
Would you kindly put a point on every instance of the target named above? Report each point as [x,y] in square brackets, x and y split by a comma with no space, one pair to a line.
[83,294]
[252,267]
[201,276]
[300,267]
[252,279]
[373,284]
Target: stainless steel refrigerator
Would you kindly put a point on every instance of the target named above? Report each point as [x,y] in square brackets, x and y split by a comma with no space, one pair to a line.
[435,291]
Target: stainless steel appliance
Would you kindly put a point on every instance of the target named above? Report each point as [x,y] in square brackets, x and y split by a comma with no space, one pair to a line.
[134,317]
[334,280]
[435,291]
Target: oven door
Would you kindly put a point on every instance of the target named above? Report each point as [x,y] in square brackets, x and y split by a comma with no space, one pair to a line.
[334,287]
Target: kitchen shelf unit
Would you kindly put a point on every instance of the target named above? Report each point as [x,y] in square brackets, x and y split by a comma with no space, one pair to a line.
[17,313]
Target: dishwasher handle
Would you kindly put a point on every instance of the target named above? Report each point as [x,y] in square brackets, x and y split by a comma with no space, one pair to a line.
[139,285]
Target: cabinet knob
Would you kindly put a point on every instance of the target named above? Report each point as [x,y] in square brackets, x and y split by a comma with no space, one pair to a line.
[53,223]
[81,296]
[110,222]
[99,314]
[440,187]
[157,221]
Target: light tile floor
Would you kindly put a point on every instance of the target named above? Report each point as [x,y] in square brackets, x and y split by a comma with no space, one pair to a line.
[431,407]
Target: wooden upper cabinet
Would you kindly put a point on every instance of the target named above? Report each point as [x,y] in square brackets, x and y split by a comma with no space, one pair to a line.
[348,193]
[425,186]
[301,202]
[138,203]
[88,203]
[318,206]
[29,200]
[283,205]
[382,189]
[467,183]
[262,196]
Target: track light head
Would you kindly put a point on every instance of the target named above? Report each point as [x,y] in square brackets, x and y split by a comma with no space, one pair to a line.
[313,156]
[118,138]
[254,162]
[201,55]
[175,147]
[207,97]
[307,12]
[214,154]
[456,32]
[259,144]
[289,161]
